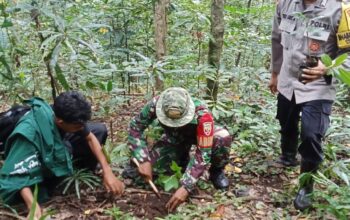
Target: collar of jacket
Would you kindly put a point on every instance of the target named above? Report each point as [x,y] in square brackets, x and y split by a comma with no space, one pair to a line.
[318,5]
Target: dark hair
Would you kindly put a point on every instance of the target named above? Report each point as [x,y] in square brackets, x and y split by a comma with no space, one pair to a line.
[72,107]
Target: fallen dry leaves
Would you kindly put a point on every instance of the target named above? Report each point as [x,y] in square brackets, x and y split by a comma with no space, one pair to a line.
[219,213]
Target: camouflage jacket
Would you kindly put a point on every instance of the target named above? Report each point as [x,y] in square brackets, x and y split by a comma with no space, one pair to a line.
[199,132]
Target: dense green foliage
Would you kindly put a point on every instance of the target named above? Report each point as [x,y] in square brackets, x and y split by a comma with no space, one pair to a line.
[109,45]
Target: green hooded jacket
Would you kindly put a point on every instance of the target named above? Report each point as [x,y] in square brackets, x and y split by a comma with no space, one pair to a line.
[33,151]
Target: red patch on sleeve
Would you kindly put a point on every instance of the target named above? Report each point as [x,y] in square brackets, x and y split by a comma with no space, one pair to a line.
[205,131]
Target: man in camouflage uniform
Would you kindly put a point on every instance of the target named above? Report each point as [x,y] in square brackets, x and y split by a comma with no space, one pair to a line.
[186,121]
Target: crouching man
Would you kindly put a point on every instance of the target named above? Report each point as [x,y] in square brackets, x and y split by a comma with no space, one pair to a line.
[186,121]
[42,146]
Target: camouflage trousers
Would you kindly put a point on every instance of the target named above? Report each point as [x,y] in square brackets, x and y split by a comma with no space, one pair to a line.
[171,148]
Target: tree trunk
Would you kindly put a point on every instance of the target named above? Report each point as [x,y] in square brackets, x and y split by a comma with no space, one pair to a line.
[215,44]
[54,88]
[160,23]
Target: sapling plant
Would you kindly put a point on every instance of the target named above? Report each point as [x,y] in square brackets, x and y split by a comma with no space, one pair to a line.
[171,182]
[78,178]
[335,67]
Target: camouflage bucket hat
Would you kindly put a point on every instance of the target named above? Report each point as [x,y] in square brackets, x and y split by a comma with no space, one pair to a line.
[175,107]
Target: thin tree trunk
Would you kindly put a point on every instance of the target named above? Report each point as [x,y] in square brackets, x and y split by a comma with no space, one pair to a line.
[215,44]
[238,59]
[160,23]
[249,6]
[35,17]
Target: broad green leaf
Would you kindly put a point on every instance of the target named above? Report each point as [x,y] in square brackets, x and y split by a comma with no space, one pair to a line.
[49,40]
[109,86]
[326,60]
[33,207]
[235,10]
[6,23]
[82,65]
[91,47]
[342,175]
[215,113]
[69,45]
[7,67]
[21,52]
[340,60]
[107,154]
[344,76]
[177,169]
[171,183]
[55,54]
[59,21]
[61,78]
[102,86]
[21,76]
[221,109]
[90,85]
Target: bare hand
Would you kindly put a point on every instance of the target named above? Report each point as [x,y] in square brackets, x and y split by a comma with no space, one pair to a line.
[179,197]
[273,83]
[112,183]
[145,170]
[311,74]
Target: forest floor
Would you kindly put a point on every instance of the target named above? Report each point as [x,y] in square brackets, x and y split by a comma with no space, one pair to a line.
[259,189]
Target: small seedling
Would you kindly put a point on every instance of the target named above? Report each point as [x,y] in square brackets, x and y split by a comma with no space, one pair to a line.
[173,181]
[78,178]
[116,213]
[335,69]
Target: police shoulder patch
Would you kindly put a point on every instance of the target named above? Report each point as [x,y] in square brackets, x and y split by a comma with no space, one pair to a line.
[205,131]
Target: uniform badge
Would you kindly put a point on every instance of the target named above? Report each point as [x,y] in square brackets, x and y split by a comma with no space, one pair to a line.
[314,46]
[207,126]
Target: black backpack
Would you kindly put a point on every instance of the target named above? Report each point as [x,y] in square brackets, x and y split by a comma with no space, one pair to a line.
[8,121]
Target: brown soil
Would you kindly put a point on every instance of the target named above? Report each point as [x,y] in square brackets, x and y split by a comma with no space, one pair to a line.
[138,203]
[144,206]
[93,205]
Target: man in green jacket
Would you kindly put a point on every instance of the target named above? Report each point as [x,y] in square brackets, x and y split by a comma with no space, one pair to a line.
[43,143]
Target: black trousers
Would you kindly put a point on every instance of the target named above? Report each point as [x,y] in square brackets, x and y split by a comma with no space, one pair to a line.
[79,148]
[314,118]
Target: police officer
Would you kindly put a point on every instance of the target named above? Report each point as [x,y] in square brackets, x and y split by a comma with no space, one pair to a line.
[304,30]
[186,121]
